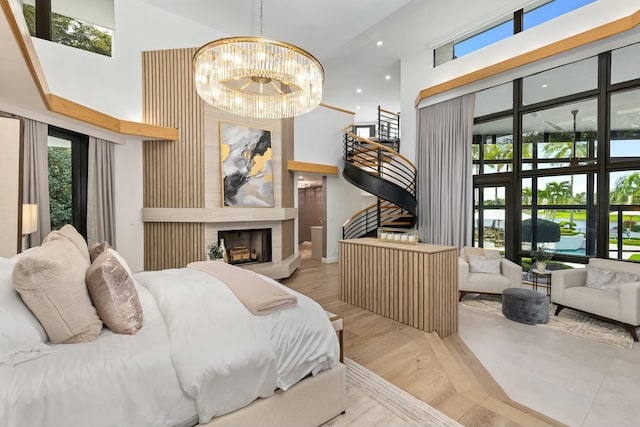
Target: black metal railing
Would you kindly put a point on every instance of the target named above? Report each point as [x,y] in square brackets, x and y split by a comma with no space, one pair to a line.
[379,160]
[385,165]
[389,128]
[362,223]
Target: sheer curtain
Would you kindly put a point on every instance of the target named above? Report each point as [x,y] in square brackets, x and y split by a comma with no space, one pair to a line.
[35,187]
[443,159]
[101,224]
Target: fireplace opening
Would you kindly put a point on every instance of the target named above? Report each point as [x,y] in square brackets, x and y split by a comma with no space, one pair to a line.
[247,246]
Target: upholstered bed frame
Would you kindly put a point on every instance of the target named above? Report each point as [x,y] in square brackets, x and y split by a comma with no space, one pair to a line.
[311,402]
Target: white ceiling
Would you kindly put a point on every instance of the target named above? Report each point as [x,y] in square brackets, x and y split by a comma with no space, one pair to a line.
[343,36]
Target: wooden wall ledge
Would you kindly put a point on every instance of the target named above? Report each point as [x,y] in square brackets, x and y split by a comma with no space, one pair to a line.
[294,166]
[59,105]
[218,215]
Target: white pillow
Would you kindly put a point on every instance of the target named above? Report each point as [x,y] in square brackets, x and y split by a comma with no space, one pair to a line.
[608,280]
[19,342]
[480,264]
[11,304]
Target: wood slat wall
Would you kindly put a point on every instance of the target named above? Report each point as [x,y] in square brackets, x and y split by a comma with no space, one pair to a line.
[416,287]
[173,171]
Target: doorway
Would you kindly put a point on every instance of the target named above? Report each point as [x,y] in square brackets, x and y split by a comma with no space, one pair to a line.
[311,216]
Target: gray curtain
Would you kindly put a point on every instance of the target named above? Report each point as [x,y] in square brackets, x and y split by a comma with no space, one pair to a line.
[35,187]
[101,225]
[443,160]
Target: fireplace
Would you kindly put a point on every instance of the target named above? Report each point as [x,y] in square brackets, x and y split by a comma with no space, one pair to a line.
[247,246]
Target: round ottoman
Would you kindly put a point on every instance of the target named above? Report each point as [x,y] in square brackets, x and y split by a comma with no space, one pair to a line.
[525,306]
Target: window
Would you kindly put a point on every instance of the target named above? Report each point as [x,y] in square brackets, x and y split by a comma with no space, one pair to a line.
[569,160]
[86,25]
[67,163]
[492,149]
[502,28]
[560,136]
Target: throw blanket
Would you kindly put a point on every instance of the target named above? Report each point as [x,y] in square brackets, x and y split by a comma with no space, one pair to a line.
[257,294]
[224,356]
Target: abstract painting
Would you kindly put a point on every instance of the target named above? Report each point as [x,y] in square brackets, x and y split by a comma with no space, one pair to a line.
[247,171]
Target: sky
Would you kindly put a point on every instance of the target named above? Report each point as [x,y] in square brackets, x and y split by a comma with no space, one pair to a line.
[531,19]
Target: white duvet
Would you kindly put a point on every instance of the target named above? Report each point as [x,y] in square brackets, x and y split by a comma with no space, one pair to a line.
[225,357]
[199,354]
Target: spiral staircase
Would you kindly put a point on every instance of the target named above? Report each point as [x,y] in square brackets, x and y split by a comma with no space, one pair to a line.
[376,166]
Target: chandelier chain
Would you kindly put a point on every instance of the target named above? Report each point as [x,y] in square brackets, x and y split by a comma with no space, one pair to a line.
[261,3]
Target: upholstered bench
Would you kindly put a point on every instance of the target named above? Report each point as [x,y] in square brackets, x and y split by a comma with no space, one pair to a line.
[525,306]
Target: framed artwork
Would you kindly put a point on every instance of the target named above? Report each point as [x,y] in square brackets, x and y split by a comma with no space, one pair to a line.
[246,166]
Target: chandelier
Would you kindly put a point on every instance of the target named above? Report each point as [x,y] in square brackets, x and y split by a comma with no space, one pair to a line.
[258,77]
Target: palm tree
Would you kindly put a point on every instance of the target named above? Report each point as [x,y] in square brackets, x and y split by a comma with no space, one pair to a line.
[527,194]
[627,190]
[556,193]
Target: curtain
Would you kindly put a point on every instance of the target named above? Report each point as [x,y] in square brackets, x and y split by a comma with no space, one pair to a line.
[101,226]
[36,177]
[443,160]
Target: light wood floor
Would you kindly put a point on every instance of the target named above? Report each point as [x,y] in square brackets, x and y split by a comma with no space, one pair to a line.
[443,373]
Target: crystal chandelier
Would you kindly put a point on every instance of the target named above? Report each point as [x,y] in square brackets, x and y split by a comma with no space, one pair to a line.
[258,77]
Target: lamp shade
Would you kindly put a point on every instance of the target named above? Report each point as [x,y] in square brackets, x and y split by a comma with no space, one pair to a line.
[29,218]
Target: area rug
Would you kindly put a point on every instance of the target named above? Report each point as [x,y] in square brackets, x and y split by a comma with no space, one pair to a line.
[570,321]
[374,401]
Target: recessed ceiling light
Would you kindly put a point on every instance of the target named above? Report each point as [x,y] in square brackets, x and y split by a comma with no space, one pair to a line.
[358,90]
[545,85]
[379,43]
[358,107]
[387,77]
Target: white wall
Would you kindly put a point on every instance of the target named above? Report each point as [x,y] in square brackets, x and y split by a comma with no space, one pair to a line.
[418,72]
[128,201]
[114,85]
[318,139]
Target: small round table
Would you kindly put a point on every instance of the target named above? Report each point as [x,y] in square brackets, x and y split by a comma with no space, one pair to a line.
[536,274]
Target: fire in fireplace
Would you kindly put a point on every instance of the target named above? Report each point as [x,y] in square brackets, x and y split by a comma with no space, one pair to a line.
[244,246]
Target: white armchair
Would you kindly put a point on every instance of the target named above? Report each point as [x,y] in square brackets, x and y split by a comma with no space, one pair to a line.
[486,283]
[568,290]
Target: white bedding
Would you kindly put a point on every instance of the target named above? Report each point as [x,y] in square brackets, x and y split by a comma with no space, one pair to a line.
[117,380]
[226,357]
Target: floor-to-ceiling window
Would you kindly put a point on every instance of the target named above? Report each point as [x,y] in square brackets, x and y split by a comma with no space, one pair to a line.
[560,150]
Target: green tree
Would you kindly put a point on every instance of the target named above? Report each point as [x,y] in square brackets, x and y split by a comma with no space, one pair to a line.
[527,195]
[60,199]
[627,190]
[72,32]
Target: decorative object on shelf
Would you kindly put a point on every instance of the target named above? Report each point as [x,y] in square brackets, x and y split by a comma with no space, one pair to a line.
[541,255]
[398,235]
[258,77]
[247,173]
[214,252]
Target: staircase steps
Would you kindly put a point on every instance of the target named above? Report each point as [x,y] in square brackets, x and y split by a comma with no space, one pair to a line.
[396,216]
[395,223]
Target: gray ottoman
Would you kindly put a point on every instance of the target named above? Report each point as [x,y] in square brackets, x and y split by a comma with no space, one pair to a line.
[525,306]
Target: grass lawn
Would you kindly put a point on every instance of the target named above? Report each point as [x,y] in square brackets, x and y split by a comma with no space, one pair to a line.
[583,215]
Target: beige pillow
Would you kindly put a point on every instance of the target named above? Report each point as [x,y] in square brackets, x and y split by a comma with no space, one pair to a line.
[51,282]
[114,294]
[69,233]
[97,249]
[481,264]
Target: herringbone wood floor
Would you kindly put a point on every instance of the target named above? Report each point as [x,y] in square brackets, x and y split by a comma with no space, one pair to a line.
[443,373]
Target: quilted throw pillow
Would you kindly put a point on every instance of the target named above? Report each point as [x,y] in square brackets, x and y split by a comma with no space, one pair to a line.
[480,264]
[608,280]
[114,294]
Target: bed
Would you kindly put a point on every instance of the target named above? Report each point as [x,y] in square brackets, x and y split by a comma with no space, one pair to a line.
[200,358]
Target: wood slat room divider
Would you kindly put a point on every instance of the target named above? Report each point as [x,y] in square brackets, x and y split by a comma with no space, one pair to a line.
[414,284]
[173,171]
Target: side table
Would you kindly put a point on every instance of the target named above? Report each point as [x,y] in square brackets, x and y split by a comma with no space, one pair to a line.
[536,275]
